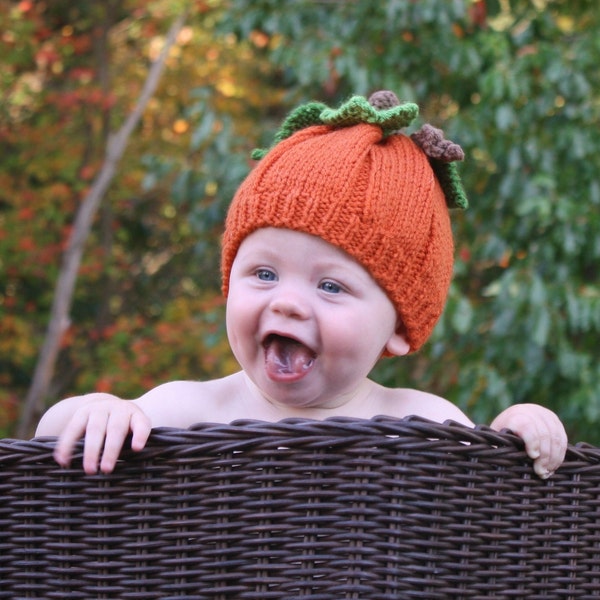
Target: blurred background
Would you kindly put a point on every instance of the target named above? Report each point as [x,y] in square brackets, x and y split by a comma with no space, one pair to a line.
[109,238]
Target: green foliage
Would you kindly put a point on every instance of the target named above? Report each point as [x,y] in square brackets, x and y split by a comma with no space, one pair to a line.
[516,84]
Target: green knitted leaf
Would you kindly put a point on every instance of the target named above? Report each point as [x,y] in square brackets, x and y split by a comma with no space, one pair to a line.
[447,174]
[354,111]
[301,117]
[358,110]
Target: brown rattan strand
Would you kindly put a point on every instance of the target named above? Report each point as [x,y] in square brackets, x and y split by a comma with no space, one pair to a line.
[342,508]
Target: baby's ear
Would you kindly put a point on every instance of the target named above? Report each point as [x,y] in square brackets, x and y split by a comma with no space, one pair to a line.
[397,344]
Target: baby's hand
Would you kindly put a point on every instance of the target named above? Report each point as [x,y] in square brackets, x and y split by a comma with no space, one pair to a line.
[541,430]
[105,422]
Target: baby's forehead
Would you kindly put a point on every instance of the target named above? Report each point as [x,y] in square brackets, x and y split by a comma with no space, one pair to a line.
[282,239]
[282,244]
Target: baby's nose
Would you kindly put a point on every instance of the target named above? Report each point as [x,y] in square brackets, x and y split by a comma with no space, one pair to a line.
[290,303]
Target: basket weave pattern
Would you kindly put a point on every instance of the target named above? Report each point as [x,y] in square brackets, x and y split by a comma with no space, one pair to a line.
[343,508]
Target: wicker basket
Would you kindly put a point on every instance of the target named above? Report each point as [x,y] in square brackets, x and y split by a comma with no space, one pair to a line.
[342,508]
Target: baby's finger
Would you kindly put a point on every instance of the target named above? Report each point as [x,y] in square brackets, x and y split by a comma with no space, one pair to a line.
[557,440]
[117,428]
[538,446]
[553,444]
[541,469]
[529,431]
[140,427]
[94,441]
[63,451]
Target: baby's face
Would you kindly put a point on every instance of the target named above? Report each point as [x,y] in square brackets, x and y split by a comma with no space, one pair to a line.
[305,320]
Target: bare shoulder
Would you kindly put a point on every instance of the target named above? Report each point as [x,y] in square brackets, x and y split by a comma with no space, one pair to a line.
[183,390]
[404,402]
[184,403]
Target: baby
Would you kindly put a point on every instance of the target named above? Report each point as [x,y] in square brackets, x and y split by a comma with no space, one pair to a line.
[337,251]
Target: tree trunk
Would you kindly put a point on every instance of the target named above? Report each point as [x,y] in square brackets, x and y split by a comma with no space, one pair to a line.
[63,295]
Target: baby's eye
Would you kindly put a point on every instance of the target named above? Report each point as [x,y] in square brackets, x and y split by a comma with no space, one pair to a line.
[266,275]
[330,287]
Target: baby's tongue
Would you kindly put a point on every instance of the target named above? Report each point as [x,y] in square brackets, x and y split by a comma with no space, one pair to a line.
[285,356]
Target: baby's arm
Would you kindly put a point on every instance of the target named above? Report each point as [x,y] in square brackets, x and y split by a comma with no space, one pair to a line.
[541,430]
[104,420]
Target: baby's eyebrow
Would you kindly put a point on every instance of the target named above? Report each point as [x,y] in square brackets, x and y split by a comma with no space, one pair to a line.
[266,253]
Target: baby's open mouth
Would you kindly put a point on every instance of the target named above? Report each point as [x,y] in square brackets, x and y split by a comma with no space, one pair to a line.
[285,356]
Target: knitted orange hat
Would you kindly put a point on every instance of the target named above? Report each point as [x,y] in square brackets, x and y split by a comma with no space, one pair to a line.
[349,177]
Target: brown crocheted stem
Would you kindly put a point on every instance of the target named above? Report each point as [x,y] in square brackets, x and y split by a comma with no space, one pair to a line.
[431,140]
[383,99]
[443,155]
